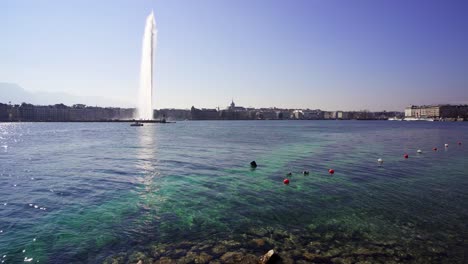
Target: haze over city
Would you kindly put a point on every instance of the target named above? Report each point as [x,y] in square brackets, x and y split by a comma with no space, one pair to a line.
[303,54]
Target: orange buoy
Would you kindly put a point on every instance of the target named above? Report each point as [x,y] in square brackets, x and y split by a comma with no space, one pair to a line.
[406,156]
[286,181]
[331,171]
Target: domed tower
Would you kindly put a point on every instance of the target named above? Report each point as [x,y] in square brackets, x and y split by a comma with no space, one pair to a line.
[233,105]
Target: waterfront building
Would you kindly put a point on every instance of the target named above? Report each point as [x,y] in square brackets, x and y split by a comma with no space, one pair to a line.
[58,112]
[4,115]
[431,111]
[234,108]
[14,113]
[234,115]
[61,113]
[79,112]
[440,112]
[342,115]
[312,114]
[26,112]
[233,112]
[203,114]
[329,115]
[266,114]
[172,114]
[284,114]
[298,114]
[362,115]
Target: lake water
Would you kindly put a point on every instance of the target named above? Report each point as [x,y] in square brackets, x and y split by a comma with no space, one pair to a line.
[185,192]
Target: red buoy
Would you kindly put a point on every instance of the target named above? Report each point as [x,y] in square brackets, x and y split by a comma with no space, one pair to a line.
[286,181]
[331,171]
[459,142]
[434,149]
[405,156]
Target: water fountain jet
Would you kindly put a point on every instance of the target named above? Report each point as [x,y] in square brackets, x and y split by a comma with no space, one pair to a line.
[145,96]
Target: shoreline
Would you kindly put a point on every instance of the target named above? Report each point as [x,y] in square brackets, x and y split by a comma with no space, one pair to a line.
[217,120]
[94,121]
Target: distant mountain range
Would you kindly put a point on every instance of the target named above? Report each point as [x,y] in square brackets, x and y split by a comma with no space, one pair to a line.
[11,92]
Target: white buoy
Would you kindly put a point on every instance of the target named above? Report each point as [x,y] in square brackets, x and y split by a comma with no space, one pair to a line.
[419,151]
[446,145]
[380,161]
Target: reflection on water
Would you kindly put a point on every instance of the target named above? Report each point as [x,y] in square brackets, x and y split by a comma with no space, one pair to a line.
[147,163]
[146,152]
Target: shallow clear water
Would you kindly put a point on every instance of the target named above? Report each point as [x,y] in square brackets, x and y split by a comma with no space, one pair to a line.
[102,189]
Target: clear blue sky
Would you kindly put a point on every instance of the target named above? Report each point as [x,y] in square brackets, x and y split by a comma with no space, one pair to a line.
[333,55]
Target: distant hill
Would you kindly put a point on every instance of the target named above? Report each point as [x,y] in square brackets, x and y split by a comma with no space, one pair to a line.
[11,92]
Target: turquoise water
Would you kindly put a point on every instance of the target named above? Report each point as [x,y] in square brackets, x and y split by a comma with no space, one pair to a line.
[111,192]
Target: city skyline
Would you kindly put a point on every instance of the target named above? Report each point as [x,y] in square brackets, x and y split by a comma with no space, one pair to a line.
[305,54]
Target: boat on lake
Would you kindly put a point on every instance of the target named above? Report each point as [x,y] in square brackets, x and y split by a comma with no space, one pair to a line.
[419,119]
[136,124]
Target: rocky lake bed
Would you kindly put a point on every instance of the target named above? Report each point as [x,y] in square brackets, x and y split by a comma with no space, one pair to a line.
[295,247]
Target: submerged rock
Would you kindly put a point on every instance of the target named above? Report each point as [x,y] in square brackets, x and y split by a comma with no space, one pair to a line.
[180,252]
[280,235]
[188,258]
[270,257]
[342,260]
[157,251]
[193,257]
[232,257]
[258,231]
[119,259]
[309,256]
[236,257]
[203,258]
[204,247]
[139,258]
[250,259]
[231,243]
[314,245]
[219,249]
[257,242]
[165,260]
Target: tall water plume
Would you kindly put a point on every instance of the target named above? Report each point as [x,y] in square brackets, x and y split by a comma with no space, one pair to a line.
[145,98]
